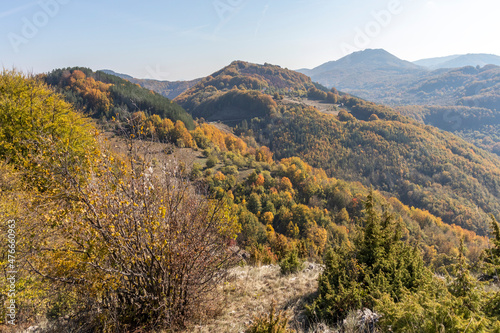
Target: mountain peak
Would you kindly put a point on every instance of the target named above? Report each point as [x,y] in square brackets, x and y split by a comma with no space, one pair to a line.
[375,56]
[366,60]
[369,66]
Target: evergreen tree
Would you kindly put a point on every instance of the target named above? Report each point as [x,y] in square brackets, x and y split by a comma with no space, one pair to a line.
[379,265]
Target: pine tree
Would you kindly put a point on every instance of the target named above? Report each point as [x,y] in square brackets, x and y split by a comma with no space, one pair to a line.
[379,265]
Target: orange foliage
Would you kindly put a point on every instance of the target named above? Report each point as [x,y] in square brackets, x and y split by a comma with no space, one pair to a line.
[260,180]
[96,92]
[263,154]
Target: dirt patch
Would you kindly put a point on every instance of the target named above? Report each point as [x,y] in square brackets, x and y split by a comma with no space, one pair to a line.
[327,108]
[161,152]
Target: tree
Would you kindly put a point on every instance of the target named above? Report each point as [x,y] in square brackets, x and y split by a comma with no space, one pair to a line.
[491,256]
[331,97]
[314,93]
[254,204]
[379,264]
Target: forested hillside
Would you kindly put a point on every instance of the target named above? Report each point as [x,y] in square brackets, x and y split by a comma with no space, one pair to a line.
[242,91]
[104,96]
[480,126]
[464,101]
[418,164]
[107,231]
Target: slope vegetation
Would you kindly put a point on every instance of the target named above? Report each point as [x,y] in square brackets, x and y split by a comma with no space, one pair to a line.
[105,96]
[418,164]
[242,91]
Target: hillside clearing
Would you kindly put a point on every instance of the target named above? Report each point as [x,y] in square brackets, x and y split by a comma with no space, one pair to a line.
[250,291]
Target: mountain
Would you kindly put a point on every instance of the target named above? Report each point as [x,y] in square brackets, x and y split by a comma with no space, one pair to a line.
[460,60]
[366,60]
[361,73]
[461,99]
[169,89]
[435,62]
[373,144]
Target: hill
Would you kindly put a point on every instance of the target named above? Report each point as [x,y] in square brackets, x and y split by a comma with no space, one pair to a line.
[418,164]
[104,96]
[460,60]
[242,91]
[169,89]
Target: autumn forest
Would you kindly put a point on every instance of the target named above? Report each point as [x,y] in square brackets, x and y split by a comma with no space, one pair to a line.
[133,211]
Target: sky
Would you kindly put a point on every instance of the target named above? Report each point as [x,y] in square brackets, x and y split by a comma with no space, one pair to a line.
[186,39]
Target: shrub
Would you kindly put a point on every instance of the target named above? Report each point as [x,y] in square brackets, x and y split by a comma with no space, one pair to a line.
[291,263]
[139,247]
[212,161]
[272,322]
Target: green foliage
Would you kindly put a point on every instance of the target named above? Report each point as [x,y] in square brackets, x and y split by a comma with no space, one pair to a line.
[196,171]
[457,306]
[35,121]
[254,204]
[491,256]
[379,263]
[211,161]
[314,93]
[419,165]
[291,264]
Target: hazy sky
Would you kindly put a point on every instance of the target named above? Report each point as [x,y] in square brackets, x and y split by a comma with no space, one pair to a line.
[185,39]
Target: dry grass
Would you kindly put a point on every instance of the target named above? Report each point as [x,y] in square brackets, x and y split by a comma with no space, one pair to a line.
[250,291]
[161,152]
[322,106]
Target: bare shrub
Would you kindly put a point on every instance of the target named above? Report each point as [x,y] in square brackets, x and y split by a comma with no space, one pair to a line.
[138,245]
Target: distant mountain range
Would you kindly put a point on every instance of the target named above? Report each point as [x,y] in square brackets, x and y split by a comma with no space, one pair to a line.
[169,89]
[459,60]
[379,76]
[373,74]
[464,100]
